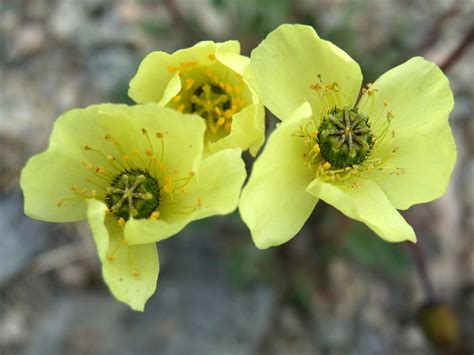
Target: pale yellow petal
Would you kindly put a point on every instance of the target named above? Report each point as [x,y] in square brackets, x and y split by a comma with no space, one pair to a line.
[289,61]
[274,204]
[366,203]
[419,96]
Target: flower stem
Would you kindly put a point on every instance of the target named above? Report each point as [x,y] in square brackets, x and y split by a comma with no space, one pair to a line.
[420,263]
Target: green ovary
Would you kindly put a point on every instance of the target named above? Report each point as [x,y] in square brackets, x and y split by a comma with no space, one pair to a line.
[133,193]
[344,137]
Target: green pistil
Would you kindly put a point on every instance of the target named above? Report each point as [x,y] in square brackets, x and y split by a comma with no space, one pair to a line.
[345,137]
[133,193]
[206,98]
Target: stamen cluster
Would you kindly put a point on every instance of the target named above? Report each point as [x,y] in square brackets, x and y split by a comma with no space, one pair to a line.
[134,184]
[340,142]
[205,94]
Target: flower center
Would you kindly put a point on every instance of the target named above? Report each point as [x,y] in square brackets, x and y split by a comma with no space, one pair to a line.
[209,101]
[344,137]
[134,193]
[205,94]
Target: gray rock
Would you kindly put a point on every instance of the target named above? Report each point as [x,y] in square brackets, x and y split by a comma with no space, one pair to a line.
[21,237]
[195,311]
[111,67]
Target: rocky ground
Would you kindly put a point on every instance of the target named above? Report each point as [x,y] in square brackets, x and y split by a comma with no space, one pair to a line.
[333,290]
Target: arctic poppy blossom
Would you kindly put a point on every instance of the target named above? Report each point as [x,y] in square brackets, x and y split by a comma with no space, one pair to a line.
[367,157]
[210,80]
[137,174]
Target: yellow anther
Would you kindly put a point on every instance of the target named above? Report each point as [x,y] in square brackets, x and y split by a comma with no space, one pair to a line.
[314,133]
[155,215]
[228,126]
[390,115]
[149,152]
[211,57]
[181,108]
[228,113]
[326,165]
[74,188]
[370,89]
[220,121]
[159,135]
[121,222]
[332,86]
[176,98]
[192,174]
[136,273]
[189,83]
[355,185]
[87,165]
[86,147]
[172,68]
[125,157]
[186,65]
[316,86]
[316,148]
[99,170]
[385,103]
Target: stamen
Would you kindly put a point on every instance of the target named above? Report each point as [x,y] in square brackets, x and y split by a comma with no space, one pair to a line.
[203,93]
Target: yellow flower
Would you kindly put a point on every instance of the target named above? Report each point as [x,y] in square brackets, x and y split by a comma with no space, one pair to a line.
[138,176]
[388,150]
[209,80]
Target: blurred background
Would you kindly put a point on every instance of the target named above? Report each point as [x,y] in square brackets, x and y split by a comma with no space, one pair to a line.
[334,289]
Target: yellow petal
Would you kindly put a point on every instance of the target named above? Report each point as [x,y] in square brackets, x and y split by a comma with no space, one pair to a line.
[151,83]
[274,204]
[131,272]
[218,183]
[368,204]
[46,181]
[247,130]
[420,98]
[288,62]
